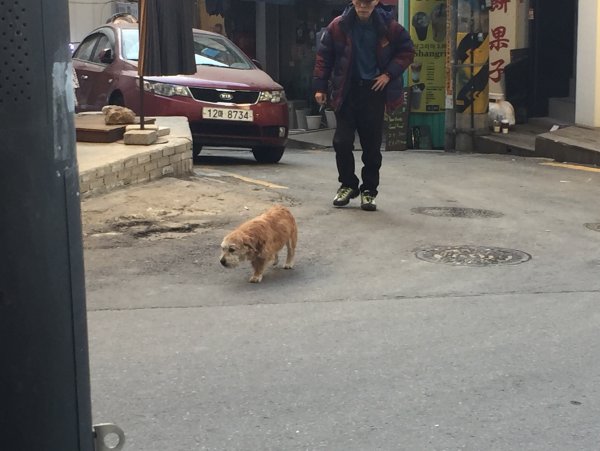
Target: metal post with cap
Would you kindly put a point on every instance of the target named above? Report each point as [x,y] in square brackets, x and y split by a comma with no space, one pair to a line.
[45,381]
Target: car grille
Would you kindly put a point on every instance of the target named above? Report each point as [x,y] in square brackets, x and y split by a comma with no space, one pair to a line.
[225,128]
[213,96]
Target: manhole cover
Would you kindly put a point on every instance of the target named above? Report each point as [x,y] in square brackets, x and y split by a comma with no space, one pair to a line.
[595,226]
[472,255]
[457,212]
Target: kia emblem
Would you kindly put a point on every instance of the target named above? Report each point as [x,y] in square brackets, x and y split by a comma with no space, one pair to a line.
[226,96]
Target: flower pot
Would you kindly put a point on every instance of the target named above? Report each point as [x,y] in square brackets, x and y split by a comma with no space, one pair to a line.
[313,122]
[330,115]
[301,118]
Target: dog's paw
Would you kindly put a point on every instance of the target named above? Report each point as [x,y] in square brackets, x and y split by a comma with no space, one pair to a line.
[255,279]
[288,266]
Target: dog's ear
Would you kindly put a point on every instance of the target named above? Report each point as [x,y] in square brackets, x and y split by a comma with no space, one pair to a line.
[255,244]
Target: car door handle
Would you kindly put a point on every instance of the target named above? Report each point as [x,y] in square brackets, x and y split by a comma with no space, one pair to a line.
[84,77]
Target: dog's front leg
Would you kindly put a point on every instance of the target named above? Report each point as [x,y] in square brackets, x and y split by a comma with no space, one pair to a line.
[259,266]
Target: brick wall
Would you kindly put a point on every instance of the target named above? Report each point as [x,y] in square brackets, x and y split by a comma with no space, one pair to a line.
[174,159]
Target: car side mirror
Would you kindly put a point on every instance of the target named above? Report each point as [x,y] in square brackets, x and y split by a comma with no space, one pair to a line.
[257,64]
[106,56]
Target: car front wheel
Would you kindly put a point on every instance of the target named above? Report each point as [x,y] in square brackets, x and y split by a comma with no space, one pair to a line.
[196,149]
[268,154]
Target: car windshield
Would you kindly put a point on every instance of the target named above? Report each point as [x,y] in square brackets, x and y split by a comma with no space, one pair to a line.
[209,50]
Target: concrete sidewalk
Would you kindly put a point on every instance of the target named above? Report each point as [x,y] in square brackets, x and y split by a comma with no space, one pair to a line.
[105,166]
[311,139]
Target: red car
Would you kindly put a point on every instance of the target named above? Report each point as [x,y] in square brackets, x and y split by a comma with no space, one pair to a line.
[229,101]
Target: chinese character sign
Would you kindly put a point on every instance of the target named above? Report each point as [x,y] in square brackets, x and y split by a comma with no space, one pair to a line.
[502,40]
[427,73]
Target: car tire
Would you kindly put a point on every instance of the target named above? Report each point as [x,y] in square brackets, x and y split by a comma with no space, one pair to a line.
[196,149]
[268,154]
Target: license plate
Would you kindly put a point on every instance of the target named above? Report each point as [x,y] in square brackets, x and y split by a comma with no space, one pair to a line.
[227,114]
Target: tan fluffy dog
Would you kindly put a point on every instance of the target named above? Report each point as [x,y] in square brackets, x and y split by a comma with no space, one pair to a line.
[260,239]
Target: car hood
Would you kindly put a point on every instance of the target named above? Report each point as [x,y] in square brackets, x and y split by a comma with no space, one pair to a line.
[223,78]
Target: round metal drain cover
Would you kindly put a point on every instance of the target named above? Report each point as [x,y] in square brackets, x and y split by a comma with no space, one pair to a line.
[595,226]
[472,255]
[457,212]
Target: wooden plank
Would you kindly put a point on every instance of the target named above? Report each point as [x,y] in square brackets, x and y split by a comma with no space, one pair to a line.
[91,128]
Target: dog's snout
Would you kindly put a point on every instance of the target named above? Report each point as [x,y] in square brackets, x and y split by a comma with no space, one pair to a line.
[223,261]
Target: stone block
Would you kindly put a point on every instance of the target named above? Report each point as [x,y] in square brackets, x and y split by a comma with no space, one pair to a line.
[160,131]
[164,131]
[140,137]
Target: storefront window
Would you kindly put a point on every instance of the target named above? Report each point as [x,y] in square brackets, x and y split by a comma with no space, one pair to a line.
[299,30]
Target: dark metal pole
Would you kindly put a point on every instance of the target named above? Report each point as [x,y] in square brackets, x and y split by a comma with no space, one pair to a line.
[450,115]
[142,116]
[44,381]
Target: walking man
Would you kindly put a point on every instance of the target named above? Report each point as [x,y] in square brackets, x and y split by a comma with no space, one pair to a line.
[362,55]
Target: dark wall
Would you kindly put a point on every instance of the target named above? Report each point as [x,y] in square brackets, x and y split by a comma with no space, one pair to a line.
[552,38]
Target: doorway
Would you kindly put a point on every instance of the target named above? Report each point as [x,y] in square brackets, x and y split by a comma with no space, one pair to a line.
[552,37]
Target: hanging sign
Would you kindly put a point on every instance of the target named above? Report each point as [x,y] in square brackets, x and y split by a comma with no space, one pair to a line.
[503,18]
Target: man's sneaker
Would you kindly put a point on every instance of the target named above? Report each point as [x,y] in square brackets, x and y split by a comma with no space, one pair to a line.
[367,201]
[343,196]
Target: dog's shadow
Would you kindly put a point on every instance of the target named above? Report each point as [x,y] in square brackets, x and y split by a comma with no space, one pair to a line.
[274,277]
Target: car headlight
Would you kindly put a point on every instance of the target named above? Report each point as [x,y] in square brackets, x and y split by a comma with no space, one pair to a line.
[167,90]
[272,96]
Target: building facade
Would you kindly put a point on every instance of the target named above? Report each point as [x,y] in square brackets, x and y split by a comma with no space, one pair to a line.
[544,54]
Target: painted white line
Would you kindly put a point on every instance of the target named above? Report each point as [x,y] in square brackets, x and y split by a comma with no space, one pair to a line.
[244,179]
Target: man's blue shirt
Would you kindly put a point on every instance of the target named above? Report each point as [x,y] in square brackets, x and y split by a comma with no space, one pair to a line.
[364,48]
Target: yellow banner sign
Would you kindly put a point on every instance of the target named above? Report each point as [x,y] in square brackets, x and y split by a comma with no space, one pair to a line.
[428,72]
[473,74]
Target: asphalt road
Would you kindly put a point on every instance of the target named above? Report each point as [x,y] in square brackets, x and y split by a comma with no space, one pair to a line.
[363,346]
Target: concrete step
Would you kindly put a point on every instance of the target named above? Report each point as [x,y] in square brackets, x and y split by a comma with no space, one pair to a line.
[545,124]
[568,143]
[571,144]
[562,108]
[519,141]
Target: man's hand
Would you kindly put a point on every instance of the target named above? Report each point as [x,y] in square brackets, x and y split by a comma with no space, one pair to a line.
[321,98]
[380,82]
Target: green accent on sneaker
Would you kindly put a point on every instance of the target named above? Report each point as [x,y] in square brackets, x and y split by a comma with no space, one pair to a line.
[367,201]
[343,196]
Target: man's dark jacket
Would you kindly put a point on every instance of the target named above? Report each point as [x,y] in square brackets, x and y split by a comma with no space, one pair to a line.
[333,63]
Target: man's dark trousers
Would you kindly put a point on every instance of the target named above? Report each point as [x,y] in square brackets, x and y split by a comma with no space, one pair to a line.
[362,111]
